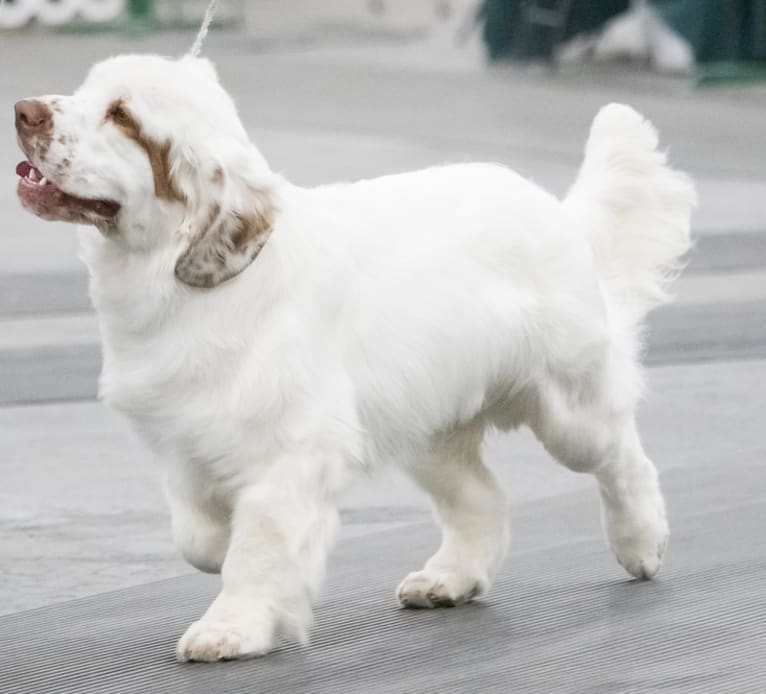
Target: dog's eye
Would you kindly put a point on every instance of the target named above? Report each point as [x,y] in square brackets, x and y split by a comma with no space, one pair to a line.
[118,114]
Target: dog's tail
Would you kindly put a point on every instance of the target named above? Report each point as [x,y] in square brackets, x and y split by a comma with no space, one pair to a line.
[634,209]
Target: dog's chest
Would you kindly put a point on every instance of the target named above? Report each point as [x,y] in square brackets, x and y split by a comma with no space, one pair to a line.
[200,399]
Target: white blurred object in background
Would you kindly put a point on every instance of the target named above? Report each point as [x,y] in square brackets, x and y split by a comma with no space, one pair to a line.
[638,34]
[56,12]
[101,10]
[641,33]
[17,13]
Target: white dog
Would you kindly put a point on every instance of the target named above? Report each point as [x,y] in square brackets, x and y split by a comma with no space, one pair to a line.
[268,341]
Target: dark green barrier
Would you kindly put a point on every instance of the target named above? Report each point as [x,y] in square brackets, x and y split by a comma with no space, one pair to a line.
[508,35]
[141,9]
[718,30]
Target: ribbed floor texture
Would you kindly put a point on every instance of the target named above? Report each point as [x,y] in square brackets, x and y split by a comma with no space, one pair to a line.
[562,617]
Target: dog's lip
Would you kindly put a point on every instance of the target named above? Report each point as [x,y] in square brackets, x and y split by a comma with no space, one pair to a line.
[34,187]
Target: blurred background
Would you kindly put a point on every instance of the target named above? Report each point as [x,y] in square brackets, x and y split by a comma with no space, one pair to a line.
[667,35]
[344,89]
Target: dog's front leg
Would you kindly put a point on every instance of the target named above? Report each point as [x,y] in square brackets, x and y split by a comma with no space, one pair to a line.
[280,537]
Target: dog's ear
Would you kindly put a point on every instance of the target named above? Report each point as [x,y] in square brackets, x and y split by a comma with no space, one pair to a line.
[224,242]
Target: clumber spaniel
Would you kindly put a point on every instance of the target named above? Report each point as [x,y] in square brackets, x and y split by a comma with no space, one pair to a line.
[269,341]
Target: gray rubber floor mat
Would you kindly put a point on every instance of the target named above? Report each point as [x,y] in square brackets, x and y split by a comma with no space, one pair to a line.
[561,617]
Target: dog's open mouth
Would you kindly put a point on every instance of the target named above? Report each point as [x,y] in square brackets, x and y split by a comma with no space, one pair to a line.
[45,199]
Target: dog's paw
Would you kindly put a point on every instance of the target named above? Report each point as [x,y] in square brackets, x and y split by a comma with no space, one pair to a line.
[638,545]
[641,554]
[430,589]
[209,641]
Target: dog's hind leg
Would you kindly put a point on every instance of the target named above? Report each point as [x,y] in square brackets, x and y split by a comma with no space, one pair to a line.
[590,427]
[473,516]
[633,508]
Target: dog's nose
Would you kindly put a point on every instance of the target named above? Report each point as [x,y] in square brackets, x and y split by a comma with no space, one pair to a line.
[32,117]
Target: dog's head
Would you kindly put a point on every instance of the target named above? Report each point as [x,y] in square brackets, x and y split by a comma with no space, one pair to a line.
[152,152]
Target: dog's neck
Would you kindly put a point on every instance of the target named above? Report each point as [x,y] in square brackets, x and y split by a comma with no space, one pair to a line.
[133,291]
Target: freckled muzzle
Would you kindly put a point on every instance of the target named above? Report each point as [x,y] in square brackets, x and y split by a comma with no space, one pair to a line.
[39,194]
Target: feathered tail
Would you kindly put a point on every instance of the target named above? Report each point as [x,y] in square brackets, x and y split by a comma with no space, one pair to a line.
[634,209]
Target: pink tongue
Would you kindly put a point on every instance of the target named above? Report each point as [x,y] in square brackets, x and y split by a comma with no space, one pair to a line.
[24,168]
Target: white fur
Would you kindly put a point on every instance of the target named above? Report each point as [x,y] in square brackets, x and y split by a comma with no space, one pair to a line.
[388,321]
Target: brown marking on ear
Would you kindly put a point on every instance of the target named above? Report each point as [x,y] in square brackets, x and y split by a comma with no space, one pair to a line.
[218,175]
[212,215]
[157,152]
[241,232]
[238,237]
[225,244]
[248,229]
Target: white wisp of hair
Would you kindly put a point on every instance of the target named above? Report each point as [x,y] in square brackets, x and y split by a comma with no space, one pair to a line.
[212,7]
